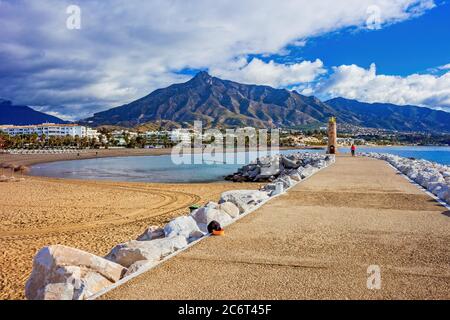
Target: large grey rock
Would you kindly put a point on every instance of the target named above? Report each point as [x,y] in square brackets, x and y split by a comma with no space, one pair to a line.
[126,254]
[268,171]
[185,226]
[244,199]
[295,177]
[287,181]
[56,269]
[443,192]
[279,188]
[306,171]
[289,164]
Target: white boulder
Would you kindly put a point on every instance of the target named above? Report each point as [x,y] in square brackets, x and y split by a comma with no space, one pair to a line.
[126,254]
[61,272]
[151,233]
[58,291]
[244,199]
[184,226]
[229,208]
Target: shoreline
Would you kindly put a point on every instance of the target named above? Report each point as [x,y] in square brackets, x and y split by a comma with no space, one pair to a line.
[34,159]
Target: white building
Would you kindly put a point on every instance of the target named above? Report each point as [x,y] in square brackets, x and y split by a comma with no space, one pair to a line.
[181,136]
[122,133]
[51,130]
[151,134]
[92,133]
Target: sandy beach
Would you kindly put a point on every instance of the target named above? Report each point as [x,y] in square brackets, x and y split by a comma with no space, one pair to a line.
[89,215]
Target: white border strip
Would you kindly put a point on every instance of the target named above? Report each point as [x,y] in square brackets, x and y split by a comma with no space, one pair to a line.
[151,266]
[442,202]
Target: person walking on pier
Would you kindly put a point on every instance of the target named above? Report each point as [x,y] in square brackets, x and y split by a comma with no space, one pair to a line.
[353,149]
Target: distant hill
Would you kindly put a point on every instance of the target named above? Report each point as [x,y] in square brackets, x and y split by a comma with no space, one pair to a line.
[390,116]
[23,115]
[223,103]
[158,125]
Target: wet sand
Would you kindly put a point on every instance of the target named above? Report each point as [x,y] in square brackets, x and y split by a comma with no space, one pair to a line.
[89,215]
[317,242]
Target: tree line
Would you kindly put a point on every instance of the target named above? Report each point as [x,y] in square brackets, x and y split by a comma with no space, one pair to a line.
[35,141]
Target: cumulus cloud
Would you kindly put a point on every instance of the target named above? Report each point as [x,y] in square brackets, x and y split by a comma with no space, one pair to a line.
[270,73]
[125,49]
[354,82]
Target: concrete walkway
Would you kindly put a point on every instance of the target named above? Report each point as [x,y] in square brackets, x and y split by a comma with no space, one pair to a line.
[316,242]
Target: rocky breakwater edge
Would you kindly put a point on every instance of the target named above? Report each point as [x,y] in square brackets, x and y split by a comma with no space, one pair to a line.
[433,177]
[65,273]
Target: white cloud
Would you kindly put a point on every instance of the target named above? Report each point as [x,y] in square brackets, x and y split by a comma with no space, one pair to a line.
[444,67]
[354,82]
[126,49]
[270,73]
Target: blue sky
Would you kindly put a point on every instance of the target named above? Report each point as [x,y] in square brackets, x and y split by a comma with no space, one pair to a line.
[413,46]
[372,50]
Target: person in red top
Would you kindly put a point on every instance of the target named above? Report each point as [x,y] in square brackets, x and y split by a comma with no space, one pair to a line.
[353,148]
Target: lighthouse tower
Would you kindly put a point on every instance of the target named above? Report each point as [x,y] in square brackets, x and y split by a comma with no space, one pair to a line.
[332,136]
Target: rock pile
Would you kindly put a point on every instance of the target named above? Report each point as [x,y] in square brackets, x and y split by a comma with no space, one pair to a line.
[270,168]
[432,176]
[65,273]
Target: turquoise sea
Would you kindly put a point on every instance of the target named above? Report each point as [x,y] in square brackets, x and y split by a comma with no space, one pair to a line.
[162,168]
[435,154]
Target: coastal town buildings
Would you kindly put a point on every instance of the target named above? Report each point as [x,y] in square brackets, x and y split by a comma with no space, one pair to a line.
[181,136]
[51,130]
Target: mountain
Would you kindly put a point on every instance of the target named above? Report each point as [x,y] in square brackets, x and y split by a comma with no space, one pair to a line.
[390,116]
[223,103]
[218,103]
[23,115]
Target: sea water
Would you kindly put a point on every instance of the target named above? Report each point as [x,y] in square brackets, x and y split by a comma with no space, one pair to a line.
[163,169]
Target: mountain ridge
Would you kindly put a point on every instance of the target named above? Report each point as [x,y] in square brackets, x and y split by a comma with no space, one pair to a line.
[218,102]
[224,103]
[11,114]
[390,116]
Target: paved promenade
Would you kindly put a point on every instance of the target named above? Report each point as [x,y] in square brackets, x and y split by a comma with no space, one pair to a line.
[316,242]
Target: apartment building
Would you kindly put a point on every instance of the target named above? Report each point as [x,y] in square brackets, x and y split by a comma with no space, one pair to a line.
[51,130]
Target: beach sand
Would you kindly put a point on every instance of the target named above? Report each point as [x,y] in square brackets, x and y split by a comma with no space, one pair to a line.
[89,215]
